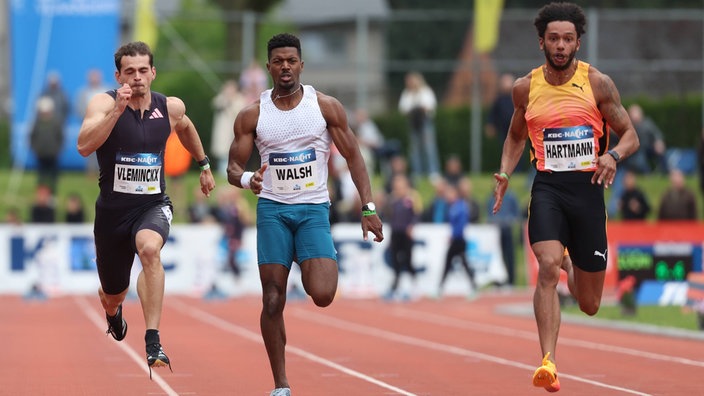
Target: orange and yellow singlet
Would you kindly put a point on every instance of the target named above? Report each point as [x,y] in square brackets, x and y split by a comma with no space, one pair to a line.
[566,129]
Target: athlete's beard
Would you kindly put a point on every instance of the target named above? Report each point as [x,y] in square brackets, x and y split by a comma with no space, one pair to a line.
[567,64]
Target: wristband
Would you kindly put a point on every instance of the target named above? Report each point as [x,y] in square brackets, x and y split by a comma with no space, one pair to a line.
[244,180]
[205,161]
[504,175]
[205,167]
[366,213]
[614,155]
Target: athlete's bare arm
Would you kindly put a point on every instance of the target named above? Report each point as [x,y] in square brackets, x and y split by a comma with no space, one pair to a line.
[609,103]
[188,135]
[515,139]
[101,116]
[346,142]
[245,129]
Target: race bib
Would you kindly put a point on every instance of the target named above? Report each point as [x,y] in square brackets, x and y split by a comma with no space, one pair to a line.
[138,173]
[293,172]
[569,149]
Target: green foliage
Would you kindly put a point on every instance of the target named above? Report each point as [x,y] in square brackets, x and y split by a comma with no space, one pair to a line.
[5,157]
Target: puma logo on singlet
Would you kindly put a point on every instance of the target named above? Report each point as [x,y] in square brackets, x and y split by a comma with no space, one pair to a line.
[578,86]
[602,255]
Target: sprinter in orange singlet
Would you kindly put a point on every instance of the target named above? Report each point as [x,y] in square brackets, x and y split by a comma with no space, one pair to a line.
[563,106]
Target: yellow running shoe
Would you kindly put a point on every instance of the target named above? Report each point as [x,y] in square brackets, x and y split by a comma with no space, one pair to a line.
[546,376]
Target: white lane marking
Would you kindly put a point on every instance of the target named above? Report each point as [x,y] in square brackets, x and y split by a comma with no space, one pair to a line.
[436,346]
[141,362]
[222,324]
[423,316]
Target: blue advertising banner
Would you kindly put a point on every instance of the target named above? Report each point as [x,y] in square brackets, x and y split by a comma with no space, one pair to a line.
[63,40]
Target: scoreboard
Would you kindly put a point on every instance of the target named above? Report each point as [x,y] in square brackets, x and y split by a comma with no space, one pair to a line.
[660,261]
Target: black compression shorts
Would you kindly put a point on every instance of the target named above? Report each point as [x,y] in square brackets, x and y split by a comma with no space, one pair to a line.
[115,232]
[567,207]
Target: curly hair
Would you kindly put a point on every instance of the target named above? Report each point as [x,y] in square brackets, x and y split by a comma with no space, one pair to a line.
[133,49]
[283,40]
[559,11]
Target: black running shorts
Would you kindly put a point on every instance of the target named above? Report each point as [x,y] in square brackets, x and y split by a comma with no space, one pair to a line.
[115,232]
[567,207]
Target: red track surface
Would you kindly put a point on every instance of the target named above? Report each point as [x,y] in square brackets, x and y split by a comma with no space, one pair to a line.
[353,347]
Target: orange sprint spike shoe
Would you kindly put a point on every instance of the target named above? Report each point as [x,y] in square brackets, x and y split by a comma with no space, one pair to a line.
[546,375]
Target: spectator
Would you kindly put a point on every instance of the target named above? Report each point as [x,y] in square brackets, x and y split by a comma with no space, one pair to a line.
[226,104]
[46,140]
[43,209]
[233,214]
[402,216]
[54,90]
[678,202]
[418,104]
[200,211]
[253,81]
[465,188]
[94,85]
[13,216]
[436,211]
[458,218]
[75,213]
[500,113]
[501,110]
[506,219]
[398,166]
[632,204]
[453,169]
[652,144]
[371,141]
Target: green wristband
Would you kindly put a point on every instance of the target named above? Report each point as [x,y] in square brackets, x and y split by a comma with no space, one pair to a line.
[366,213]
[505,175]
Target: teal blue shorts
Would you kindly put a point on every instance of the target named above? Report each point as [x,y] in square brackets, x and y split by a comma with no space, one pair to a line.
[293,232]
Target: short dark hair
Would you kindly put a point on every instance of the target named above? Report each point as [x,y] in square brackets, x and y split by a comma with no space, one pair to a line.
[559,11]
[283,40]
[133,49]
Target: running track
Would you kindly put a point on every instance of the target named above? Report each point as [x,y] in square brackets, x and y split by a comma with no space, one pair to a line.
[353,347]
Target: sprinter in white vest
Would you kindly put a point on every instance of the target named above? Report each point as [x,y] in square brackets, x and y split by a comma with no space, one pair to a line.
[293,127]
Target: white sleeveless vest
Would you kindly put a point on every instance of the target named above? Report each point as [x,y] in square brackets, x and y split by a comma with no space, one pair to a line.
[296,145]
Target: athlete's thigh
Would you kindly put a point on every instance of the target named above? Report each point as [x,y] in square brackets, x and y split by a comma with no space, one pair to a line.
[547,220]
[319,275]
[274,237]
[114,253]
[313,237]
[587,228]
[589,284]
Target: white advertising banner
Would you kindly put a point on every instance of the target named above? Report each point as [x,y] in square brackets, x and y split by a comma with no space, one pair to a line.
[60,259]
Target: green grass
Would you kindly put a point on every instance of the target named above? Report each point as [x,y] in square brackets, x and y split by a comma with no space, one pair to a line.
[667,316]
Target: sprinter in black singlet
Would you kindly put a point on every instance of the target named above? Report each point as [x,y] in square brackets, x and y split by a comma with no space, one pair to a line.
[128,128]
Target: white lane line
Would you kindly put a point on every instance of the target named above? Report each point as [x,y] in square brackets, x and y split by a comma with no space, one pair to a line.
[215,321]
[436,346]
[423,316]
[141,362]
